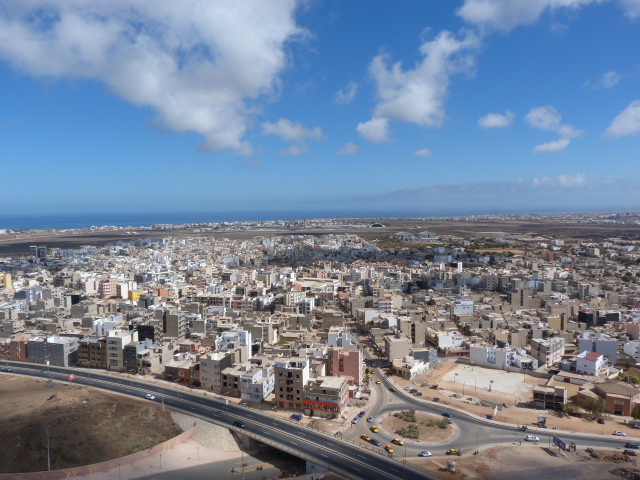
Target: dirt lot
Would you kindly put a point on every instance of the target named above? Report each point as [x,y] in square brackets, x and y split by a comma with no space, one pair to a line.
[428,431]
[85,426]
[531,463]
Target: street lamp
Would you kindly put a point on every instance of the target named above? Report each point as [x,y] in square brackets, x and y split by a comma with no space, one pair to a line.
[48,450]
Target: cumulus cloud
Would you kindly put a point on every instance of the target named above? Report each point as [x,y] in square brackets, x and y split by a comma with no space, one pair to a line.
[605,81]
[201,66]
[548,118]
[375,130]
[505,15]
[497,120]
[423,152]
[626,123]
[347,94]
[417,95]
[349,149]
[292,132]
[552,147]
[295,150]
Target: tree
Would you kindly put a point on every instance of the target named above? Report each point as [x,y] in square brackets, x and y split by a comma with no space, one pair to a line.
[636,412]
[596,407]
[569,408]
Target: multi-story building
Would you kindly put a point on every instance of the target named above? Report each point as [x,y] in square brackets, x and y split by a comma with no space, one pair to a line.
[116,340]
[211,367]
[547,351]
[632,349]
[600,343]
[590,363]
[396,347]
[502,358]
[257,383]
[346,363]
[54,350]
[292,374]
[92,352]
[326,397]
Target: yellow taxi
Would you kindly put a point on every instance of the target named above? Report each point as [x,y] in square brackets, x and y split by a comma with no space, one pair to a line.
[397,441]
[388,448]
[375,429]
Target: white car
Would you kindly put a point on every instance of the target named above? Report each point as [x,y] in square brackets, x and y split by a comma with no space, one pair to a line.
[150,396]
[425,454]
[532,438]
[619,433]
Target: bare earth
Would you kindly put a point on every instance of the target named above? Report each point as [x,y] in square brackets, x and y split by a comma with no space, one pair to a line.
[431,434]
[86,426]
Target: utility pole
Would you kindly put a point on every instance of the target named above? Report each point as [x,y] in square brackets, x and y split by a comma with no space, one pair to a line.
[48,450]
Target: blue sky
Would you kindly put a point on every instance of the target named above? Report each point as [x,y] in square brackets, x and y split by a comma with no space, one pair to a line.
[361,107]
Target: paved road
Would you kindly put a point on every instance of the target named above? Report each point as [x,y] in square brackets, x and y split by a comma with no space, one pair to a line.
[348,459]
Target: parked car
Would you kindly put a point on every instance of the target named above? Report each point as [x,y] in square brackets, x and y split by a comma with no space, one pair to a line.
[239,424]
[378,382]
[397,441]
[446,414]
[244,404]
[393,389]
[631,445]
[532,438]
[619,433]
[355,420]
[425,454]
[601,421]
[631,453]
[296,416]
[370,419]
[524,428]
[417,394]
[389,448]
[362,414]
[150,396]
[635,424]
[436,399]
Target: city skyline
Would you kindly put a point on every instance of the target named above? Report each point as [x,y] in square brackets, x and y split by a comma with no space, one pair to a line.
[475,105]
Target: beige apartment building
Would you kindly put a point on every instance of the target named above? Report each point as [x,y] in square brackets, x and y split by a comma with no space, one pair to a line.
[292,374]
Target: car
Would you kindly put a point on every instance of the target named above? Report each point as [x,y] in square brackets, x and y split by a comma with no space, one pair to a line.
[446,414]
[425,454]
[436,399]
[397,441]
[7,369]
[239,424]
[393,389]
[631,445]
[375,429]
[365,437]
[635,424]
[355,420]
[619,433]
[150,396]
[372,372]
[409,389]
[362,414]
[601,421]
[450,421]
[524,428]
[244,404]
[417,394]
[389,448]
[296,416]
[378,382]
[631,453]
[375,442]
[453,451]
[370,419]
[532,438]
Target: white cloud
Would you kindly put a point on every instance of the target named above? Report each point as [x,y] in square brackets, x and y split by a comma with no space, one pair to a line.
[295,150]
[182,59]
[497,120]
[292,132]
[626,123]
[424,152]
[605,81]
[349,149]
[347,94]
[552,147]
[375,130]
[564,181]
[548,118]
[417,95]
[506,15]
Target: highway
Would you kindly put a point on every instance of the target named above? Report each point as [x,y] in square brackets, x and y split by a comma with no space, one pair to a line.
[345,458]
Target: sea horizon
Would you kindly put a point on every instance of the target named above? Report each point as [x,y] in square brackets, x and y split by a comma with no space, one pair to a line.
[72,221]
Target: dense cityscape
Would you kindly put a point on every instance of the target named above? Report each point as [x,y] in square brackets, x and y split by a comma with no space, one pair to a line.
[299,322]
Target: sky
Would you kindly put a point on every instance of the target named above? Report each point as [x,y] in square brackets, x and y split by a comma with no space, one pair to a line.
[356,107]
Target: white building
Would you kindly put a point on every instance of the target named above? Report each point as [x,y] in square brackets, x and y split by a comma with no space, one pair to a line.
[547,350]
[632,349]
[502,358]
[450,339]
[590,363]
[601,343]
[257,384]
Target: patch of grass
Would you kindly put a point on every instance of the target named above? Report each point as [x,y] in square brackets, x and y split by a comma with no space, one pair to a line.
[410,431]
[406,415]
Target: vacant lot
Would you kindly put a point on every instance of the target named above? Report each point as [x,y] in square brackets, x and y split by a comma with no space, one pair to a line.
[85,426]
